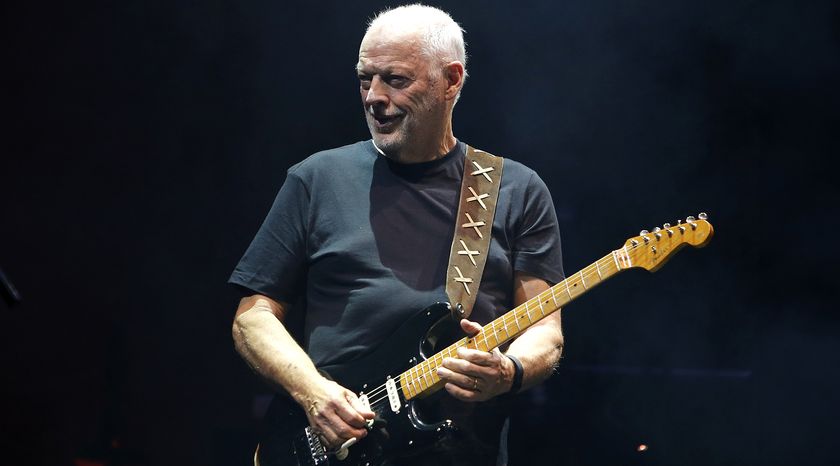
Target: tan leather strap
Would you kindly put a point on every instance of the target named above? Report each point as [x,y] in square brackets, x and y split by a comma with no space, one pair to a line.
[473,228]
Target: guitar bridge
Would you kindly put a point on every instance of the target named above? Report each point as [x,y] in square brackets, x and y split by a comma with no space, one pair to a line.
[316,453]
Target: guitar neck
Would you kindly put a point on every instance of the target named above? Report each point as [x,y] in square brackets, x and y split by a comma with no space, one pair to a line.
[422,379]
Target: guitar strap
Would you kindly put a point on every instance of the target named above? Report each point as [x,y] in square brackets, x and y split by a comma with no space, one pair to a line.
[473,228]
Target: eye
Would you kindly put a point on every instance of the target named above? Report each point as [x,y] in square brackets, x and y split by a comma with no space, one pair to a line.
[364,81]
[397,81]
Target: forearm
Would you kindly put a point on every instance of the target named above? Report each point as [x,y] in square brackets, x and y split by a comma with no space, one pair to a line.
[539,349]
[268,348]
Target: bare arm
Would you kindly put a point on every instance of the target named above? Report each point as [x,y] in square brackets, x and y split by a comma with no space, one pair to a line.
[541,345]
[479,375]
[264,343]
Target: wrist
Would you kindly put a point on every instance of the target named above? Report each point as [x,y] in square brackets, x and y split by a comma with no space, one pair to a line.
[518,374]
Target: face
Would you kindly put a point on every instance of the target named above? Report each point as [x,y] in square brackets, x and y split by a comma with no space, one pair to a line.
[404,106]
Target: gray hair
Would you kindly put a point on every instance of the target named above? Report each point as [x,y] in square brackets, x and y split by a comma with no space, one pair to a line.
[442,39]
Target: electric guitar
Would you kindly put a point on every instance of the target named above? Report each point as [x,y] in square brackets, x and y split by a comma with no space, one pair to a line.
[393,378]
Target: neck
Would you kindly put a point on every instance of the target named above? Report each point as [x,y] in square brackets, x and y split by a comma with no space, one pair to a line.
[424,154]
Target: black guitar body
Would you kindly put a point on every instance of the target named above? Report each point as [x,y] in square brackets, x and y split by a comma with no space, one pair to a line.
[287,439]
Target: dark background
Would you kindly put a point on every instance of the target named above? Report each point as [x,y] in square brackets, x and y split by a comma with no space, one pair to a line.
[145,140]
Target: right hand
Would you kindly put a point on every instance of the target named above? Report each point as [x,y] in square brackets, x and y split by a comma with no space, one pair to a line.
[335,413]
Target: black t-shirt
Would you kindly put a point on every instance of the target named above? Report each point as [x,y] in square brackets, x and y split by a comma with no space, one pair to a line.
[365,242]
[362,244]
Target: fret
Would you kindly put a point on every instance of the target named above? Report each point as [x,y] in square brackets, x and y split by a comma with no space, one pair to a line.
[413,378]
[582,280]
[566,282]
[528,315]
[598,269]
[495,334]
[615,258]
[432,364]
[405,381]
[554,296]
[516,321]
[542,311]
[450,352]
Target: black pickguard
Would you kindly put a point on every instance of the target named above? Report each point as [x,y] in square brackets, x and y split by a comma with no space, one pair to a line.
[285,441]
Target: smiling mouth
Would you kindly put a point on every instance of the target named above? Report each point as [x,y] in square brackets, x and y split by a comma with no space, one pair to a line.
[386,122]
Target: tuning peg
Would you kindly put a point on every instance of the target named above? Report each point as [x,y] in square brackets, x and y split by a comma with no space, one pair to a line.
[690,220]
[643,232]
[703,216]
[666,226]
[655,229]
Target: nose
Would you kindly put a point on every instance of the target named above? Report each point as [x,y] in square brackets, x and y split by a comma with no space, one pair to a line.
[376,93]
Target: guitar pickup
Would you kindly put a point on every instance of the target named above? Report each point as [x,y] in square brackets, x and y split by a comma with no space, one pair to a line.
[393,395]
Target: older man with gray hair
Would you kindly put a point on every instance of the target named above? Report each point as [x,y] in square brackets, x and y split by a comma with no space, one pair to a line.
[358,239]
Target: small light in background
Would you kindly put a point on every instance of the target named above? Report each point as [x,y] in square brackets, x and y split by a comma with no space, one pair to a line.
[642,448]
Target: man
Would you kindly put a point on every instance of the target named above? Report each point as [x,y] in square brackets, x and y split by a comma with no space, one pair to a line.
[361,234]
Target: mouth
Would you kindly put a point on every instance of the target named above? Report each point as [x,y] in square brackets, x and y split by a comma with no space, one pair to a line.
[385,123]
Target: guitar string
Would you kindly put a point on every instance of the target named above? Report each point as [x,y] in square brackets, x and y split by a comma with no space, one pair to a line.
[425,368]
[508,318]
[513,316]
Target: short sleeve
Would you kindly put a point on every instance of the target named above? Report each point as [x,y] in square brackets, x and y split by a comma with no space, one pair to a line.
[274,264]
[536,250]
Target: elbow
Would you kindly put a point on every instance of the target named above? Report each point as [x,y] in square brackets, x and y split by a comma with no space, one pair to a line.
[558,354]
[238,333]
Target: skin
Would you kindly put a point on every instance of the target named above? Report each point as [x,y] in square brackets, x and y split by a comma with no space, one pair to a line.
[408,101]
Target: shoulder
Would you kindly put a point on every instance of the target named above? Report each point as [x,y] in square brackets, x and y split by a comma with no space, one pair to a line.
[518,173]
[339,161]
[518,177]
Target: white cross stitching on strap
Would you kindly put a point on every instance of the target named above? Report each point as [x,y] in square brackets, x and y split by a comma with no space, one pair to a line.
[474,225]
[462,279]
[477,197]
[466,252]
[482,171]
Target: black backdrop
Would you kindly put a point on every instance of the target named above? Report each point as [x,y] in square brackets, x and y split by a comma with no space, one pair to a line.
[144,141]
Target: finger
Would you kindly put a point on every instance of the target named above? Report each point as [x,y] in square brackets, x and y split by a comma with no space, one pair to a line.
[347,414]
[481,358]
[356,403]
[466,382]
[462,366]
[327,435]
[343,430]
[469,327]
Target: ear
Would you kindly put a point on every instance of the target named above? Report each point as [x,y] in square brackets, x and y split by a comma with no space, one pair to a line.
[453,74]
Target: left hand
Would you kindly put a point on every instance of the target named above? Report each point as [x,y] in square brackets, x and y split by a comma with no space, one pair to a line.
[476,375]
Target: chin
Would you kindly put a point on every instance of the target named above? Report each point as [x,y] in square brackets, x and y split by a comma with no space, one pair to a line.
[390,144]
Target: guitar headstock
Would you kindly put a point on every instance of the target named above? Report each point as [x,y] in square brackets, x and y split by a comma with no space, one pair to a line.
[651,249]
